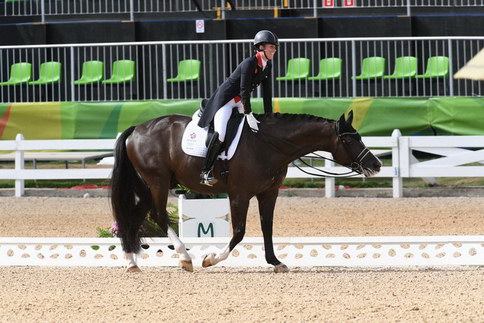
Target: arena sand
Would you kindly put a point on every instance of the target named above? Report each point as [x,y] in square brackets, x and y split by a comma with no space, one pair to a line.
[450,294]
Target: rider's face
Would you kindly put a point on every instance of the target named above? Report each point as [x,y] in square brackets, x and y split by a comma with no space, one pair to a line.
[270,50]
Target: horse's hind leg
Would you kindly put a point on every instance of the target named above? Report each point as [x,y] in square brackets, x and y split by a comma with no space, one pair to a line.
[139,212]
[160,197]
[238,208]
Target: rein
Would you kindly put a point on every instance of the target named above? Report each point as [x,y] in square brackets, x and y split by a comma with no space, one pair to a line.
[325,173]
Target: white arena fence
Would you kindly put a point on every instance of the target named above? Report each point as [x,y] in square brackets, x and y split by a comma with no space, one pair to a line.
[149,70]
[459,156]
[135,9]
[294,252]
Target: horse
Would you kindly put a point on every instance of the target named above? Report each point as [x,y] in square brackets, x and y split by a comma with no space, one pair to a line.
[149,161]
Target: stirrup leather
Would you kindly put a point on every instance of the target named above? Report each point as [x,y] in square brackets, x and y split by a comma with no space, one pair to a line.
[206,177]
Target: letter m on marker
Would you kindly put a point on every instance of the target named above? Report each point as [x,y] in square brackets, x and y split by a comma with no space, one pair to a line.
[201,230]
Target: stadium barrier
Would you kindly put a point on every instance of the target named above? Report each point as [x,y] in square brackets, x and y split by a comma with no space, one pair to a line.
[131,8]
[458,156]
[137,71]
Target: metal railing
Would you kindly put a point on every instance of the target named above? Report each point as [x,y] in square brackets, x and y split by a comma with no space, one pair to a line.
[46,8]
[155,63]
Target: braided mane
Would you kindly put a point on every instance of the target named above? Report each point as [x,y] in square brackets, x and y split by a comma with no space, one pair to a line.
[293,116]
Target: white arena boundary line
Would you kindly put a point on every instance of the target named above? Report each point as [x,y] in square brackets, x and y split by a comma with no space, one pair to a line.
[294,252]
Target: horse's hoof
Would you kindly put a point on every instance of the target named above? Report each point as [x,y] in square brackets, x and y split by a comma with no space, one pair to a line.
[208,260]
[281,268]
[133,269]
[187,265]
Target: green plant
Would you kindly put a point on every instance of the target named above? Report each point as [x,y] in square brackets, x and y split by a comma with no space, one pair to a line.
[149,228]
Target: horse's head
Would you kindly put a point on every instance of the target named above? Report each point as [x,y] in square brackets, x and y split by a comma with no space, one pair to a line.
[350,150]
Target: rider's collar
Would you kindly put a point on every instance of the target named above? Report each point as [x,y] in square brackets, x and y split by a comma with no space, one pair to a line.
[261,59]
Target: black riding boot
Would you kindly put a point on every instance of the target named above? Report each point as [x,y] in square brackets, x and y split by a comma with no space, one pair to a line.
[206,177]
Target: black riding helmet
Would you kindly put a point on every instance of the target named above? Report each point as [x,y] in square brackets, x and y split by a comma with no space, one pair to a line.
[265,36]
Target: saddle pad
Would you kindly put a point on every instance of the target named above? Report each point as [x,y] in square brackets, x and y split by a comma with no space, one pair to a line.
[194,137]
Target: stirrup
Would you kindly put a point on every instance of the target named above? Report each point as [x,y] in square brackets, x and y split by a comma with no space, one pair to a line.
[208,180]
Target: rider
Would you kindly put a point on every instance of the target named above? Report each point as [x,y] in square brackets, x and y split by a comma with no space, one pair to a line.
[234,92]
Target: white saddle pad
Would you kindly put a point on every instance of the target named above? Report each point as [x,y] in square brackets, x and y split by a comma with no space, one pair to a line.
[194,137]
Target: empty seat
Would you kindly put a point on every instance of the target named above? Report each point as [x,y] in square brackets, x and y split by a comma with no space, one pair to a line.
[19,73]
[50,72]
[437,66]
[371,67]
[329,69]
[297,69]
[405,67]
[188,70]
[92,72]
[123,71]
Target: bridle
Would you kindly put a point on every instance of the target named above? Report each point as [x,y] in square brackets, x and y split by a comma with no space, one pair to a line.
[355,168]
[356,165]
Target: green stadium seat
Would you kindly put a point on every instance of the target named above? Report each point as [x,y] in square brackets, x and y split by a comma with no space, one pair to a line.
[329,69]
[405,67]
[123,71]
[371,67]
[297,69]
[437,66]
[92,72]
[188,70]
[19,73]
[50,72]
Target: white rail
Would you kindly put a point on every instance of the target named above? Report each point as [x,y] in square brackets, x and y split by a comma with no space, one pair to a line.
[296,251]
[461,156]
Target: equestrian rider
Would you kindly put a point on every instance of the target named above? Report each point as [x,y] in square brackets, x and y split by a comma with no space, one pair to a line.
[234,92]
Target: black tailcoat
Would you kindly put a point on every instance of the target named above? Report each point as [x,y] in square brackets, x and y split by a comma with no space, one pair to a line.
[245,79]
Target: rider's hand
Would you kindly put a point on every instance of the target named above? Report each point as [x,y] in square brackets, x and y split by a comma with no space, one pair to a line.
[252,121]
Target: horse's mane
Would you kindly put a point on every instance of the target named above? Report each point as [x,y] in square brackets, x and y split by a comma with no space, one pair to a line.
[293,116]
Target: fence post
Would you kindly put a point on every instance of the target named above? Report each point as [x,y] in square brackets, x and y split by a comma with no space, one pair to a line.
[451,71]
[131,10]
[73,86]
[163,71]
[353,67]
[409,11]
[329,182]
[222,7]
[19,165]
[42,11]
[397,181]
[315,8]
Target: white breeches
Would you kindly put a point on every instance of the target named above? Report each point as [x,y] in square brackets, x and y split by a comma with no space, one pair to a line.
[222,117]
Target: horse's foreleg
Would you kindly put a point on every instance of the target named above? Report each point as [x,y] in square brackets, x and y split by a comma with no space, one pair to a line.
[131,266]
[185,259]
[238,210]
[267,202]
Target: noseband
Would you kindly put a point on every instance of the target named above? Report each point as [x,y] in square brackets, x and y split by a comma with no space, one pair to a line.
[356,165]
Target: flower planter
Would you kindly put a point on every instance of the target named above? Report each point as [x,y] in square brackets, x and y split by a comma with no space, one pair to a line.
[206,217]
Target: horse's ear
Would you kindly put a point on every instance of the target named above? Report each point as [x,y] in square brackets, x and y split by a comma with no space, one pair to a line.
[342,119]
[349,120]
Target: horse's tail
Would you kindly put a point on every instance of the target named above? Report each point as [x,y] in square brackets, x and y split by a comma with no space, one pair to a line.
[130,197]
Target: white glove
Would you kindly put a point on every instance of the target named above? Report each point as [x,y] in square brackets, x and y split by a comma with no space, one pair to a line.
[252,121]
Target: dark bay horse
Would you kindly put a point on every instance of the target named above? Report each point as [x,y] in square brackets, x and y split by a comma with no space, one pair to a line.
[150,161]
